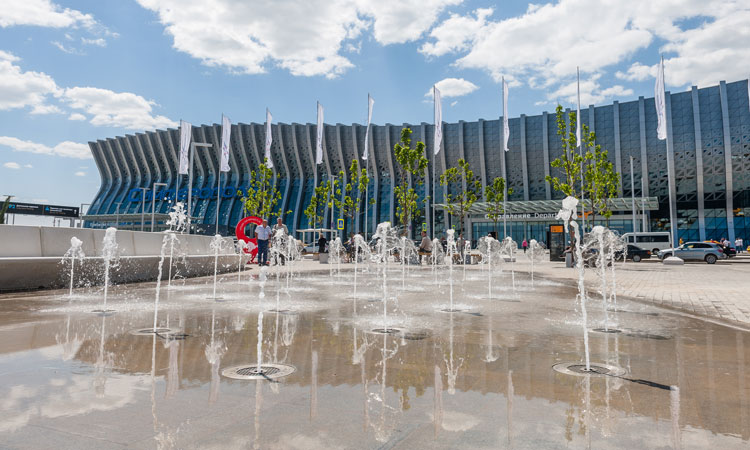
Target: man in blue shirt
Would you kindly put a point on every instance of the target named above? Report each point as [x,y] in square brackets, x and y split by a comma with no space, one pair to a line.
[263,233]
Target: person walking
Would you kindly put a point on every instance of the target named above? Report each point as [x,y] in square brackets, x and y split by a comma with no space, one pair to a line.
[263,234]
[425,246]
[322,243]
[738,244]
[280,227]
[525,245]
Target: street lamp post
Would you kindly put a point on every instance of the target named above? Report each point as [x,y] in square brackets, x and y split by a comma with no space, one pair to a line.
[632,197]
[117,215]
[153,203]
[143,205]
[193,146]
[8,197]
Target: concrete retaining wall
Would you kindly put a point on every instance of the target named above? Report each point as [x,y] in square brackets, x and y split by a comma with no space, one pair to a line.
[31,257]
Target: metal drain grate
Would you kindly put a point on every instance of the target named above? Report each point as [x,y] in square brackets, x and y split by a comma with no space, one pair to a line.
[385,330]
[596,369]
[164,331]
[251,372]
[607,330]
[416,335]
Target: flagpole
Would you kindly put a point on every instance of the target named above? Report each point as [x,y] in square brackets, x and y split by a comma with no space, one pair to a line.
[218,200]
[580,151]
[670,181]
[505,176]
[190,188]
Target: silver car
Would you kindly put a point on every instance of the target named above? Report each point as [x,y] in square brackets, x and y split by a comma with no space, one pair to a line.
[695,251]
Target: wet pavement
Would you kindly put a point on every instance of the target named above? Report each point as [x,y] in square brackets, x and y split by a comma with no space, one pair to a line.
[480,377]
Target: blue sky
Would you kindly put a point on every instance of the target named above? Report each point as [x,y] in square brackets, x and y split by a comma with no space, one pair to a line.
[76,71]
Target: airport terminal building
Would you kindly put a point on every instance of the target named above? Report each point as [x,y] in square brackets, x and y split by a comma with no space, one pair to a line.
[709,148]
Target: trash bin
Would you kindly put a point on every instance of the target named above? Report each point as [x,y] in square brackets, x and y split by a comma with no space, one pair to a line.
[568,260]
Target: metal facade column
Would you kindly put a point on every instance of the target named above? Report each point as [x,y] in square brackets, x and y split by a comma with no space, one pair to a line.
[343,169]
[254,144]
[644,161]
[158,135]
[482,164]
[427,191]
[727,159]
[545,146]
[287,188]
[148,179]
[131,178]
[524,161]
[699,163]
[376,174]
[388,152]
[359,164]
[104,175]
[618,156]
[118,176]
[302,181]
[670,159]
[311,155]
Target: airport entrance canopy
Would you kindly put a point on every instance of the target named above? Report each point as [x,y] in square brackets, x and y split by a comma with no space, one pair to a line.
[553,206]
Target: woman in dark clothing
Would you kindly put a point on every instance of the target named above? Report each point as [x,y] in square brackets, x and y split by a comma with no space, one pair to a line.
[322,243]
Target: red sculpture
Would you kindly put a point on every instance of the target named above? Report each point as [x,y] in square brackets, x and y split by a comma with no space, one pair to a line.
[251,244]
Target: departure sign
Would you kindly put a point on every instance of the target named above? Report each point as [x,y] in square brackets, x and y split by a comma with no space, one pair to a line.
[35,209]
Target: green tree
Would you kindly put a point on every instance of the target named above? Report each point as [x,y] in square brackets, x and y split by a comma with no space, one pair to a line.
[412,163]
[601,182]
[469,190]
[4,209]
[262,197]
[318,202]
[569,162]
[494,197]
[353,192]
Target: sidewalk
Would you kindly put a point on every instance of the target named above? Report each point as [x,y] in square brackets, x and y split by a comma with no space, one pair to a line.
[720,291]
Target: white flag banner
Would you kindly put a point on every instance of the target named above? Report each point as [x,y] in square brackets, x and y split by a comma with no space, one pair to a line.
[269,139]
[226,129]
[185,135]
[661,103]
[748,92]
[578,111]
[319,140]
[506,127]
[438,120]
[370,102]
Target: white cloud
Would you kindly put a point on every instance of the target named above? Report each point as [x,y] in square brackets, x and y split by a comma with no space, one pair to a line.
[456,33]
[453,87]
[68,50]
[591,92]
[400,21]
[80,174]
[19,89]
[42,13]
[544,45]
[66,149]
[305,38]
[28,166]
[454,103]
[116,109]
[12,165]
[99,42]
[637,72]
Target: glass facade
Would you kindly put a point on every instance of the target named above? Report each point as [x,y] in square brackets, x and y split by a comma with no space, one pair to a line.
[709,144]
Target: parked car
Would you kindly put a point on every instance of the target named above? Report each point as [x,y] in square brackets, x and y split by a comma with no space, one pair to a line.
[729,250]
[636,254]
[695,251]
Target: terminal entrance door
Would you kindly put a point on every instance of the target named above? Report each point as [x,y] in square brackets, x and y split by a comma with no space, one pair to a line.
[556,242]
